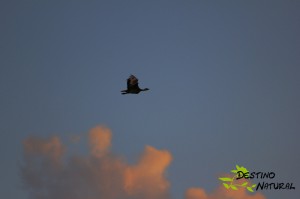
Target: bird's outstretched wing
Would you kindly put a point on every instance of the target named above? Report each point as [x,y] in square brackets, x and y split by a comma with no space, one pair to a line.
[132,82]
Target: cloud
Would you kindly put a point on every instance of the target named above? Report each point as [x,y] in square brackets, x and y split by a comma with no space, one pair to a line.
[52,147]
[195,193]
[74,138]
[148,174]
[100,141]
[47,173]
[101,174]
[221,193]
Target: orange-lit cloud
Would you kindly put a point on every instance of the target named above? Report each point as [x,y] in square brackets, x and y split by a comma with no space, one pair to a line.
[221,193]
[101,174]
[48,174]
[52,148]
[100,141]
[147,177]
[195,193]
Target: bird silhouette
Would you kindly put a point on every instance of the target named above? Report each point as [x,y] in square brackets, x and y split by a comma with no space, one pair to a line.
[133,86]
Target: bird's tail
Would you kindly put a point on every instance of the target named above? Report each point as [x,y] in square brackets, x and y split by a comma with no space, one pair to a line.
[124,92]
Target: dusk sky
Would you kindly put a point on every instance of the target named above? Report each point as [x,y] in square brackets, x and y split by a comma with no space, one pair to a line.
[224,91]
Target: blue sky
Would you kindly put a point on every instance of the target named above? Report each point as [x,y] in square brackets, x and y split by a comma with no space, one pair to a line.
[223,79]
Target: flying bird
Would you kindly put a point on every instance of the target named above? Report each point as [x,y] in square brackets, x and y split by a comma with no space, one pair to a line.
[133,86]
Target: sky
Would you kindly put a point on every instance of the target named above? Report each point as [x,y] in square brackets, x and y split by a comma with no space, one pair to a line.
[223,79]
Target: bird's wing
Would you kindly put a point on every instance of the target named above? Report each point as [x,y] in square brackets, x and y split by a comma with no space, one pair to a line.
[132,82]
[133,79]
[128,83]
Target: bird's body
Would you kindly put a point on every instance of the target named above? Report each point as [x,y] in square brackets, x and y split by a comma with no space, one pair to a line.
[133,86]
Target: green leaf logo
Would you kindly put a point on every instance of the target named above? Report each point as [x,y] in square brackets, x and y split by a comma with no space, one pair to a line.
[250,189]
[226,179]
[226,186]
[234,186]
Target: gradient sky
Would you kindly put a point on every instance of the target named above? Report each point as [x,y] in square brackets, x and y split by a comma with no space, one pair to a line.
[223,78]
